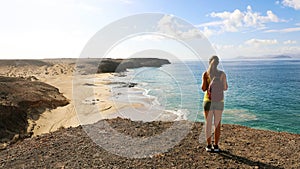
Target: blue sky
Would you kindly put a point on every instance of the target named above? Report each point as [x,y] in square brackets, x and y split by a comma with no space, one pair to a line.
[61,28]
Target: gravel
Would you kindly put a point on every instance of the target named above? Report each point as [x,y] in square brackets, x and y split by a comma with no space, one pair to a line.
[242,147]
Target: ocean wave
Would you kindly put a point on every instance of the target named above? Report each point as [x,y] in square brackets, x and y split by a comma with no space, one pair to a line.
[142,104]
[182,114]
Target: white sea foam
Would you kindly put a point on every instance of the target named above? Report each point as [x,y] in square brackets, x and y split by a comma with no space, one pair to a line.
[182,114]
[152,108]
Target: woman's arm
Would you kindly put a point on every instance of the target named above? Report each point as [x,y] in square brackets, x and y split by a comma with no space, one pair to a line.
[204,81]
[224,80]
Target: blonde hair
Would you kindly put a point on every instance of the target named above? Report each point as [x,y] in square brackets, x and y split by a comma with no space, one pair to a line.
[212,68]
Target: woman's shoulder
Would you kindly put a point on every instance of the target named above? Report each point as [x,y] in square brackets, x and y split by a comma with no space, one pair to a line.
[221,72]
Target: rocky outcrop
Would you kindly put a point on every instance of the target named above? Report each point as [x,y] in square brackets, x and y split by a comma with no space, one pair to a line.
[120,65]
[21,99]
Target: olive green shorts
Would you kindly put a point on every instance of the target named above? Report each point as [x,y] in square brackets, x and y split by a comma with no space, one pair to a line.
[207,105]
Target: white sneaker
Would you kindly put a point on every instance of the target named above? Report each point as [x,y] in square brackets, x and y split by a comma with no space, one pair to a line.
[216,148]
[208,148]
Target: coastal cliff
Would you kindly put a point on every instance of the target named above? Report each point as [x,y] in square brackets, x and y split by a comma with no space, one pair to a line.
[22,99]
[120,65]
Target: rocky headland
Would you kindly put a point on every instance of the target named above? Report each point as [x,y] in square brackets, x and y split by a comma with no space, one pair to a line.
[120,65]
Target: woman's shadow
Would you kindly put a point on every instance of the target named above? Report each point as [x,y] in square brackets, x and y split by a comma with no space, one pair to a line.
[227,154]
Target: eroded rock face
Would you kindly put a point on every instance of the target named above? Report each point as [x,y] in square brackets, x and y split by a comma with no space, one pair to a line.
[19,99]
[119,65]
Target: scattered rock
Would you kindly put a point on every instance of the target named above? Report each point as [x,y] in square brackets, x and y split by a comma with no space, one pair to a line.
[73,148]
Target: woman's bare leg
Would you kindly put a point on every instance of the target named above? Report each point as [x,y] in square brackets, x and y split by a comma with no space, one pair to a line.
[208,125]
[217,122]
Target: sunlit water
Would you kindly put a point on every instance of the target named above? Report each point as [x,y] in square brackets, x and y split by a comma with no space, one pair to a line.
[262,94]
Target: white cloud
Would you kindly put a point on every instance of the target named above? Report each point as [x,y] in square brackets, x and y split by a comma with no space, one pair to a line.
[237,20]
[289,42]
[215,23]
[117,1]
[286,30]
[127,1]
[169,25]
[257,48]
[88,7]
[207,32]
[293,50]
[292,3]
[148,37]
[231,21]
[259,42]
[224,47]
[229,51]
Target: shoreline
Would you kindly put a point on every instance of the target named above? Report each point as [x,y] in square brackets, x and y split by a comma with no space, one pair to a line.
[60,74]
[144,107]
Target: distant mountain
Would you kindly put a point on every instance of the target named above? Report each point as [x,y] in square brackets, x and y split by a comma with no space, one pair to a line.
[281,57]
[266,57]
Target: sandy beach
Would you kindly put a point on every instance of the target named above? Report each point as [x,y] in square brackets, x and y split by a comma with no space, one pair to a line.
[98,104]
[58,73]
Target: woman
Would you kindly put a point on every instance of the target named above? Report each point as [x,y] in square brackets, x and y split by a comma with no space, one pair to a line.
[213,109]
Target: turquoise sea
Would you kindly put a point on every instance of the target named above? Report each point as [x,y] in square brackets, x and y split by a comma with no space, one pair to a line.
[262,94]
